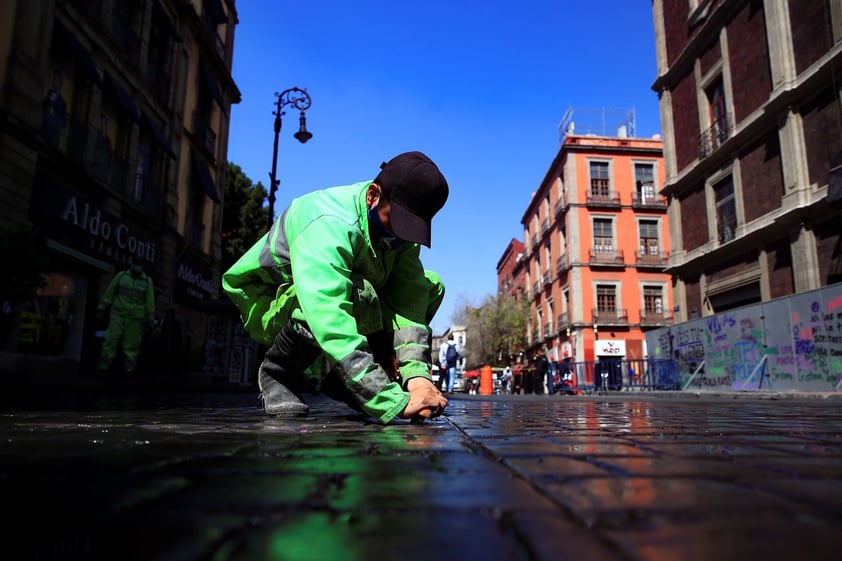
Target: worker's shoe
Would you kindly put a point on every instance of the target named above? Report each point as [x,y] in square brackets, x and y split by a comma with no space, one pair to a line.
[281,375]
[279,399]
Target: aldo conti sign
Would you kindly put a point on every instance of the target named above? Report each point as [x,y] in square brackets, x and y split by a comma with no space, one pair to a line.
[193,282]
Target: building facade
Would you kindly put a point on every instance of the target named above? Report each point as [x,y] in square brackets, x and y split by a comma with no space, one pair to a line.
[751,108]
[596,235]
[510,271]
[114,122]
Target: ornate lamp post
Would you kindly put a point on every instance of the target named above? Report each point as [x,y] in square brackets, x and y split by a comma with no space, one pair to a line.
[299,99]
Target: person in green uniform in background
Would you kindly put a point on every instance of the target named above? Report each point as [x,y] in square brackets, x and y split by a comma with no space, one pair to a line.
[339,274]
[130,299]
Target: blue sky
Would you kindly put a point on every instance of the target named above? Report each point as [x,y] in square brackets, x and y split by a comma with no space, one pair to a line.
[478,86]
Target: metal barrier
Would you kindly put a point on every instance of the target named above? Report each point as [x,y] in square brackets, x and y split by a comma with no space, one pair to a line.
[620,375]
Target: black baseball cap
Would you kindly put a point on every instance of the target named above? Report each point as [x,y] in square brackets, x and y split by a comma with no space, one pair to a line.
[416,190]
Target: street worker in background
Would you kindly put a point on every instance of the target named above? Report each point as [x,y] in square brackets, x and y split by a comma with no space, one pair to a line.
[339,275]
[450,353]
[130,297]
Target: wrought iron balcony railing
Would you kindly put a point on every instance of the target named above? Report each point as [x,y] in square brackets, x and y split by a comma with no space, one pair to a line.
[650,259]
[714,137]
[610,316]
[652,319]
[651,202]
[603,201]
[603,257]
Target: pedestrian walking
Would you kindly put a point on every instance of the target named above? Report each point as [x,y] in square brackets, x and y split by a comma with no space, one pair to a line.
[450,353]
[129,302]
[339,273]
[539,373]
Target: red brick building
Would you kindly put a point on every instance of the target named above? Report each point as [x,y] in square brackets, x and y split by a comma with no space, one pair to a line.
[751,114]
[510,271]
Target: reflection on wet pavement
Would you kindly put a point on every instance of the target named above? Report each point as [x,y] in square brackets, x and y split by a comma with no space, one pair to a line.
[211,477]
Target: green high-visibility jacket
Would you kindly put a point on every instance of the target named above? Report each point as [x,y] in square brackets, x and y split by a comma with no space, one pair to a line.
[129,296]
[318,264]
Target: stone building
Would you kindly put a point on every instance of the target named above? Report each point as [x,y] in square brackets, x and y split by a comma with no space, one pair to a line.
[114,119]
[751,109]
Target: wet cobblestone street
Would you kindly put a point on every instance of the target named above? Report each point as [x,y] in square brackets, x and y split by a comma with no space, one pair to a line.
[210,477]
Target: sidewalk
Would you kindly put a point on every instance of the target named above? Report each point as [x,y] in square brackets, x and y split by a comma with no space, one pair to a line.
[192,476]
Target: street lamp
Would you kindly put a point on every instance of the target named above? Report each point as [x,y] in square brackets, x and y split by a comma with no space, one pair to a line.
[299,99]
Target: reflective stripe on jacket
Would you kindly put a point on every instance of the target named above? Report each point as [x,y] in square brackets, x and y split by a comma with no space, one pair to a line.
[129,296]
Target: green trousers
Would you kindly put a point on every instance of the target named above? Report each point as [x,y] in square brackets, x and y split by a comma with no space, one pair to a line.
[130,332]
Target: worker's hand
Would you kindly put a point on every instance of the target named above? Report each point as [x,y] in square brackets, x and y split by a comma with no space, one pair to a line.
[425,400]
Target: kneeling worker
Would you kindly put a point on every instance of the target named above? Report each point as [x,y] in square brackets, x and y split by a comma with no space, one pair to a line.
[339,274]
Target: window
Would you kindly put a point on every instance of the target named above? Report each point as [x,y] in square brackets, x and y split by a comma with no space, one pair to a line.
[562,238]
[606,298]
[599,180]
[726,211]
[159,53]
[141,173]
[603,235]
[718,114]
[649,243]
[653,303]
[644,178]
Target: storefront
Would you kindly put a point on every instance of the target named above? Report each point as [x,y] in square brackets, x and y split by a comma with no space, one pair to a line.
[85,245]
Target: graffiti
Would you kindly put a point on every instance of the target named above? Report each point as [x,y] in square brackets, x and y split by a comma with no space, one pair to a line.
[792,343]
[717,324]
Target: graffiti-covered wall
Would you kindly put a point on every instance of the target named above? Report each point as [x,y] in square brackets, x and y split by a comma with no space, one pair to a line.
[792,343]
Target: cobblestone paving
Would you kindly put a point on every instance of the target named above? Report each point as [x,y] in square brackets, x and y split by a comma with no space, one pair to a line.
[506,477]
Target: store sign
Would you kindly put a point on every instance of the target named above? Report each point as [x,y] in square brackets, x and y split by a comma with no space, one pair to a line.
[193,281]
[610,347]
[81,225]
[105,234]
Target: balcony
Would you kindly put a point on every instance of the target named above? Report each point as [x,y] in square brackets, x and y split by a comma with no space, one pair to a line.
[602,257]
[536,289]
[563,321]
[534,243]
[654,319]
[651,260]
[560,207]
[648,202]
[547,278]
[545,227]
[714,137]
[548,330]
[610,316]
[596,200]
[562,264]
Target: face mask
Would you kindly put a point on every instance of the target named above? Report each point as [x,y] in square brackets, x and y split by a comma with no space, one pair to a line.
[380,233]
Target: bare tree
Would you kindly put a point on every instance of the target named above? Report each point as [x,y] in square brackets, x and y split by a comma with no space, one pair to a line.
[495,329]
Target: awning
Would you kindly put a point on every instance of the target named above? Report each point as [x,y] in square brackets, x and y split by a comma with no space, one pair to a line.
[159,136]
[80,54]
[214,89]
[123,99]
[203,175]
